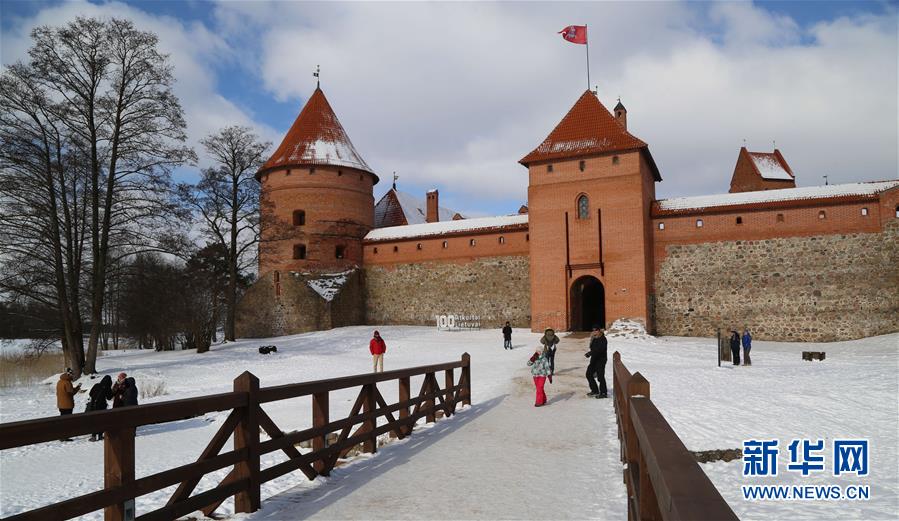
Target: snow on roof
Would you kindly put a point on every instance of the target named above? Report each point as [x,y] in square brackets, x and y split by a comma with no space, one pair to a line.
[416,210]
[316,138]
[442,227]
[769,167]
[767,196]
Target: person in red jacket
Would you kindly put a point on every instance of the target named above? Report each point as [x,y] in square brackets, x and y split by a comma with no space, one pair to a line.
[377,348]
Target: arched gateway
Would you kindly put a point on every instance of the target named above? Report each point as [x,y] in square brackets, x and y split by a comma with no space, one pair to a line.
[588,304]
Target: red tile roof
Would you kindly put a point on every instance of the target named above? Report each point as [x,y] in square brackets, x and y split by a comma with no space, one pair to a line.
[588,129]
[316,138]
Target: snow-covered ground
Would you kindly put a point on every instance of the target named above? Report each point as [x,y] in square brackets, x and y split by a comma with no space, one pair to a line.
[501,457]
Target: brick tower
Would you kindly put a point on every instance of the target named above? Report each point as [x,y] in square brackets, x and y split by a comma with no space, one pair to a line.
[591,187]
[316,201]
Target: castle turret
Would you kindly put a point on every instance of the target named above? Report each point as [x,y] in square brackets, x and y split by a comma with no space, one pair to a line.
[316,201]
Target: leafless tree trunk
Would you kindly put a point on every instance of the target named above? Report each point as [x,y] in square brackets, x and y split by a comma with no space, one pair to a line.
[119,107]
[227,199]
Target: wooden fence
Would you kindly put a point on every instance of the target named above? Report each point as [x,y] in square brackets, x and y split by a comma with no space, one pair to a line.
[664,481]
[244,422]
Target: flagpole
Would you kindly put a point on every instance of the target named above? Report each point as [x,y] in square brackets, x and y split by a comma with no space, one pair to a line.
[587,37]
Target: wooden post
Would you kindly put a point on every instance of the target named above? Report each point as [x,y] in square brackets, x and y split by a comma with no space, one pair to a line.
[429,403]
[118,470]
[448,390]
[405,393]
[370,445]
[466,377]
[647,503]
[320,419]
[246,435]
[636,386]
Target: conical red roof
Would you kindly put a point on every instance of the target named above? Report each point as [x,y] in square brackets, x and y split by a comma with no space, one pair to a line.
[588,128]
[316,138]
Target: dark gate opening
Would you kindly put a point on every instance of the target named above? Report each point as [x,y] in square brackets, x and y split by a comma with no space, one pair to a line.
[588,304]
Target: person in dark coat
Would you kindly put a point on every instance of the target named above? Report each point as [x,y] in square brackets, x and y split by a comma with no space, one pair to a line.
[100,393]
[599,352]
[129,393]
[507,336]
[549,341]
[117,389]
[747,345]
[735,346]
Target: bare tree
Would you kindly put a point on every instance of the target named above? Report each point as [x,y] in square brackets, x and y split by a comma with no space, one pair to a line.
[43,184]
[116,104]
[227,200]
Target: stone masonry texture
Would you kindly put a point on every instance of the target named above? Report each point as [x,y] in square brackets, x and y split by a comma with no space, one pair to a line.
[289,306]
[495,288]
[817,288]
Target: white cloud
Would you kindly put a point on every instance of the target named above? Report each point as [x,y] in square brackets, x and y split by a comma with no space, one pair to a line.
[453,95]
[193,49]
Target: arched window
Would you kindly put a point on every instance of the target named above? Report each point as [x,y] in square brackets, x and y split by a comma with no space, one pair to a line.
[396,249]
[340,252]
[583,207]
[299,218]
[472,242]
[582,165]
[445,245]
[418,246]
[376,249]
[299,251]
[897,211]
[822,215]
[502,240]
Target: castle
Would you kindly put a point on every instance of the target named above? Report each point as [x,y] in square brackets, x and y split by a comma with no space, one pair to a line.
[592,244]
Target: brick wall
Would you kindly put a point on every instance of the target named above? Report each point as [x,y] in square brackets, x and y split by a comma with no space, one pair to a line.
[457,247]
[621,186]
[814,287]
[339,211]
[495,288]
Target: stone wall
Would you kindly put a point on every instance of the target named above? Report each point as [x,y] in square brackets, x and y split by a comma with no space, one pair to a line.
[819,288]
[289,306]
[496,288]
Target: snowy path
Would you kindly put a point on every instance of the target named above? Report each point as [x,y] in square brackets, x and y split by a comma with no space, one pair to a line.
[500,459]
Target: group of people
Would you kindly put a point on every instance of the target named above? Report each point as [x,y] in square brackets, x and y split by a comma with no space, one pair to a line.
[735,340]
[122,393]
[543,362]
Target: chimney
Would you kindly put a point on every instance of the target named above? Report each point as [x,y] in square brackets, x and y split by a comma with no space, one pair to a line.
[621,114]
[433,214]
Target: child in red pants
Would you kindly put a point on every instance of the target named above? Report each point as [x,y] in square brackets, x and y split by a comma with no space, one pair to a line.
[540,369]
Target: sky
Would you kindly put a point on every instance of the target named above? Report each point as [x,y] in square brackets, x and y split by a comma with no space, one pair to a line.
[452,95]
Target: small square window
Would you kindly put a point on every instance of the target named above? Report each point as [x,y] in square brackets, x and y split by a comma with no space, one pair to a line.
[312,170]
[418,246]
[299,251]
[502,240]
[340,252]
[339,173]
[661,226]
[739,220]
[822,215]
[396,249]
[288,172]
[699,223]
[864,211]
[376,250]
[445,245]
[299,218]
[472,242]
[615,160]
[780,217]
[549,168]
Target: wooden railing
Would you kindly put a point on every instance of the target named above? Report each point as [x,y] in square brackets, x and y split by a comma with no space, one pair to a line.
[244,422]
[664,481]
